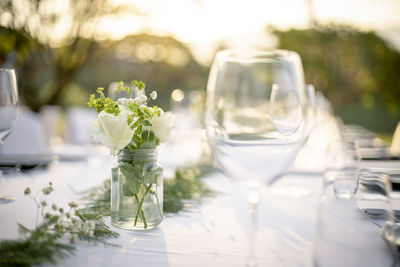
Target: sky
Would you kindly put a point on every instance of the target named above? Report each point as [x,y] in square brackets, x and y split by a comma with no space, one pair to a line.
[202,24]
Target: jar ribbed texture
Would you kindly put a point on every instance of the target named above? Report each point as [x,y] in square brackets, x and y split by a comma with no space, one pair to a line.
[138,155]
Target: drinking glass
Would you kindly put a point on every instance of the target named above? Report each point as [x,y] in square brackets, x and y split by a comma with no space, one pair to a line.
[8,109]
[247,144]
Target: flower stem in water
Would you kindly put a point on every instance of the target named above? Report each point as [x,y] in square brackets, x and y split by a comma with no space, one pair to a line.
[140,210]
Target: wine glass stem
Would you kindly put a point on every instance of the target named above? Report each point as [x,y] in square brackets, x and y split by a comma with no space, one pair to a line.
[253,207]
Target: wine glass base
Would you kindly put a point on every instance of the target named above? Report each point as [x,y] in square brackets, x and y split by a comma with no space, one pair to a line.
[6,199]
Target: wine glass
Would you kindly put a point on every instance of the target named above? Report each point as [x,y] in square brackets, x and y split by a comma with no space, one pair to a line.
[243,138]
[8,110]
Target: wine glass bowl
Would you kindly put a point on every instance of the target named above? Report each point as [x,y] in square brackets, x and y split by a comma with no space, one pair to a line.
[8,102]
[8,110]
[247,129]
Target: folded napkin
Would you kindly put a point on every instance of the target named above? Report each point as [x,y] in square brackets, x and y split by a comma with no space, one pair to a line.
[395,147]
[27,138]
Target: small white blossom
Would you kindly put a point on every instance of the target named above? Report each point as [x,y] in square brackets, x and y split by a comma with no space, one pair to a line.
[92,225]
[140,99]
[153,95]
[73,204]
[64,225]
[88,227]
[47,190]
[76,226]
[125,102]
[27,191]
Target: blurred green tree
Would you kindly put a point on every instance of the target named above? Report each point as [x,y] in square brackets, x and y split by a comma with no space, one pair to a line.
[64,68]
[14,46]
[162,62]
[358,71]
[60,27]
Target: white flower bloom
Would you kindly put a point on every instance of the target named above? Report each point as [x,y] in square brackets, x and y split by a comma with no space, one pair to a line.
[88,227]
[76,226]
[113,131]
[140,99]
[153,95]
[162,125]
[92,224]
[85,228]
[125,102]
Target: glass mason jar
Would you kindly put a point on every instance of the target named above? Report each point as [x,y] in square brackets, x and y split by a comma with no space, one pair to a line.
[137,190]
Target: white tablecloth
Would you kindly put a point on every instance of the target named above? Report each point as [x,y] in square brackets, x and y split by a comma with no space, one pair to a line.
[213,233]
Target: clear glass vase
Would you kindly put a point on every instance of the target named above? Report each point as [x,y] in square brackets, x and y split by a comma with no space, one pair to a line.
[137,190]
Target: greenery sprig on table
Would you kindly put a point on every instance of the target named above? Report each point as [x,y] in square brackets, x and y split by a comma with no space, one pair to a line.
[47,241]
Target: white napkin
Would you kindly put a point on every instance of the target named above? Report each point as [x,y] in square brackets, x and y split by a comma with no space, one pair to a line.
[27,138]
[80,125]
[395,147]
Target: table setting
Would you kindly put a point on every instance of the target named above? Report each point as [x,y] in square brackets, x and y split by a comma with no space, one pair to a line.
[265,175]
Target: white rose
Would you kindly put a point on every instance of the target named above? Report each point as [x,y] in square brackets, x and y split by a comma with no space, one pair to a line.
[113,131]
[162,125]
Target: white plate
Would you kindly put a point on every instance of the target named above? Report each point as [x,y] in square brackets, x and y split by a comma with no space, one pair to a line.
[25,161]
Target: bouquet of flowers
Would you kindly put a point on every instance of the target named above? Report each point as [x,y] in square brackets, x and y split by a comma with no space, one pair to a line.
[129,123]
[132,130]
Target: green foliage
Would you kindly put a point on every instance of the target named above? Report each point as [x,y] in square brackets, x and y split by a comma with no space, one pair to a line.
[186,186]
[17,42]
[98,199]
[28,252]
[47,84]
[349,66]
[103,103]
[148,137]
[139,85]
[46,242]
